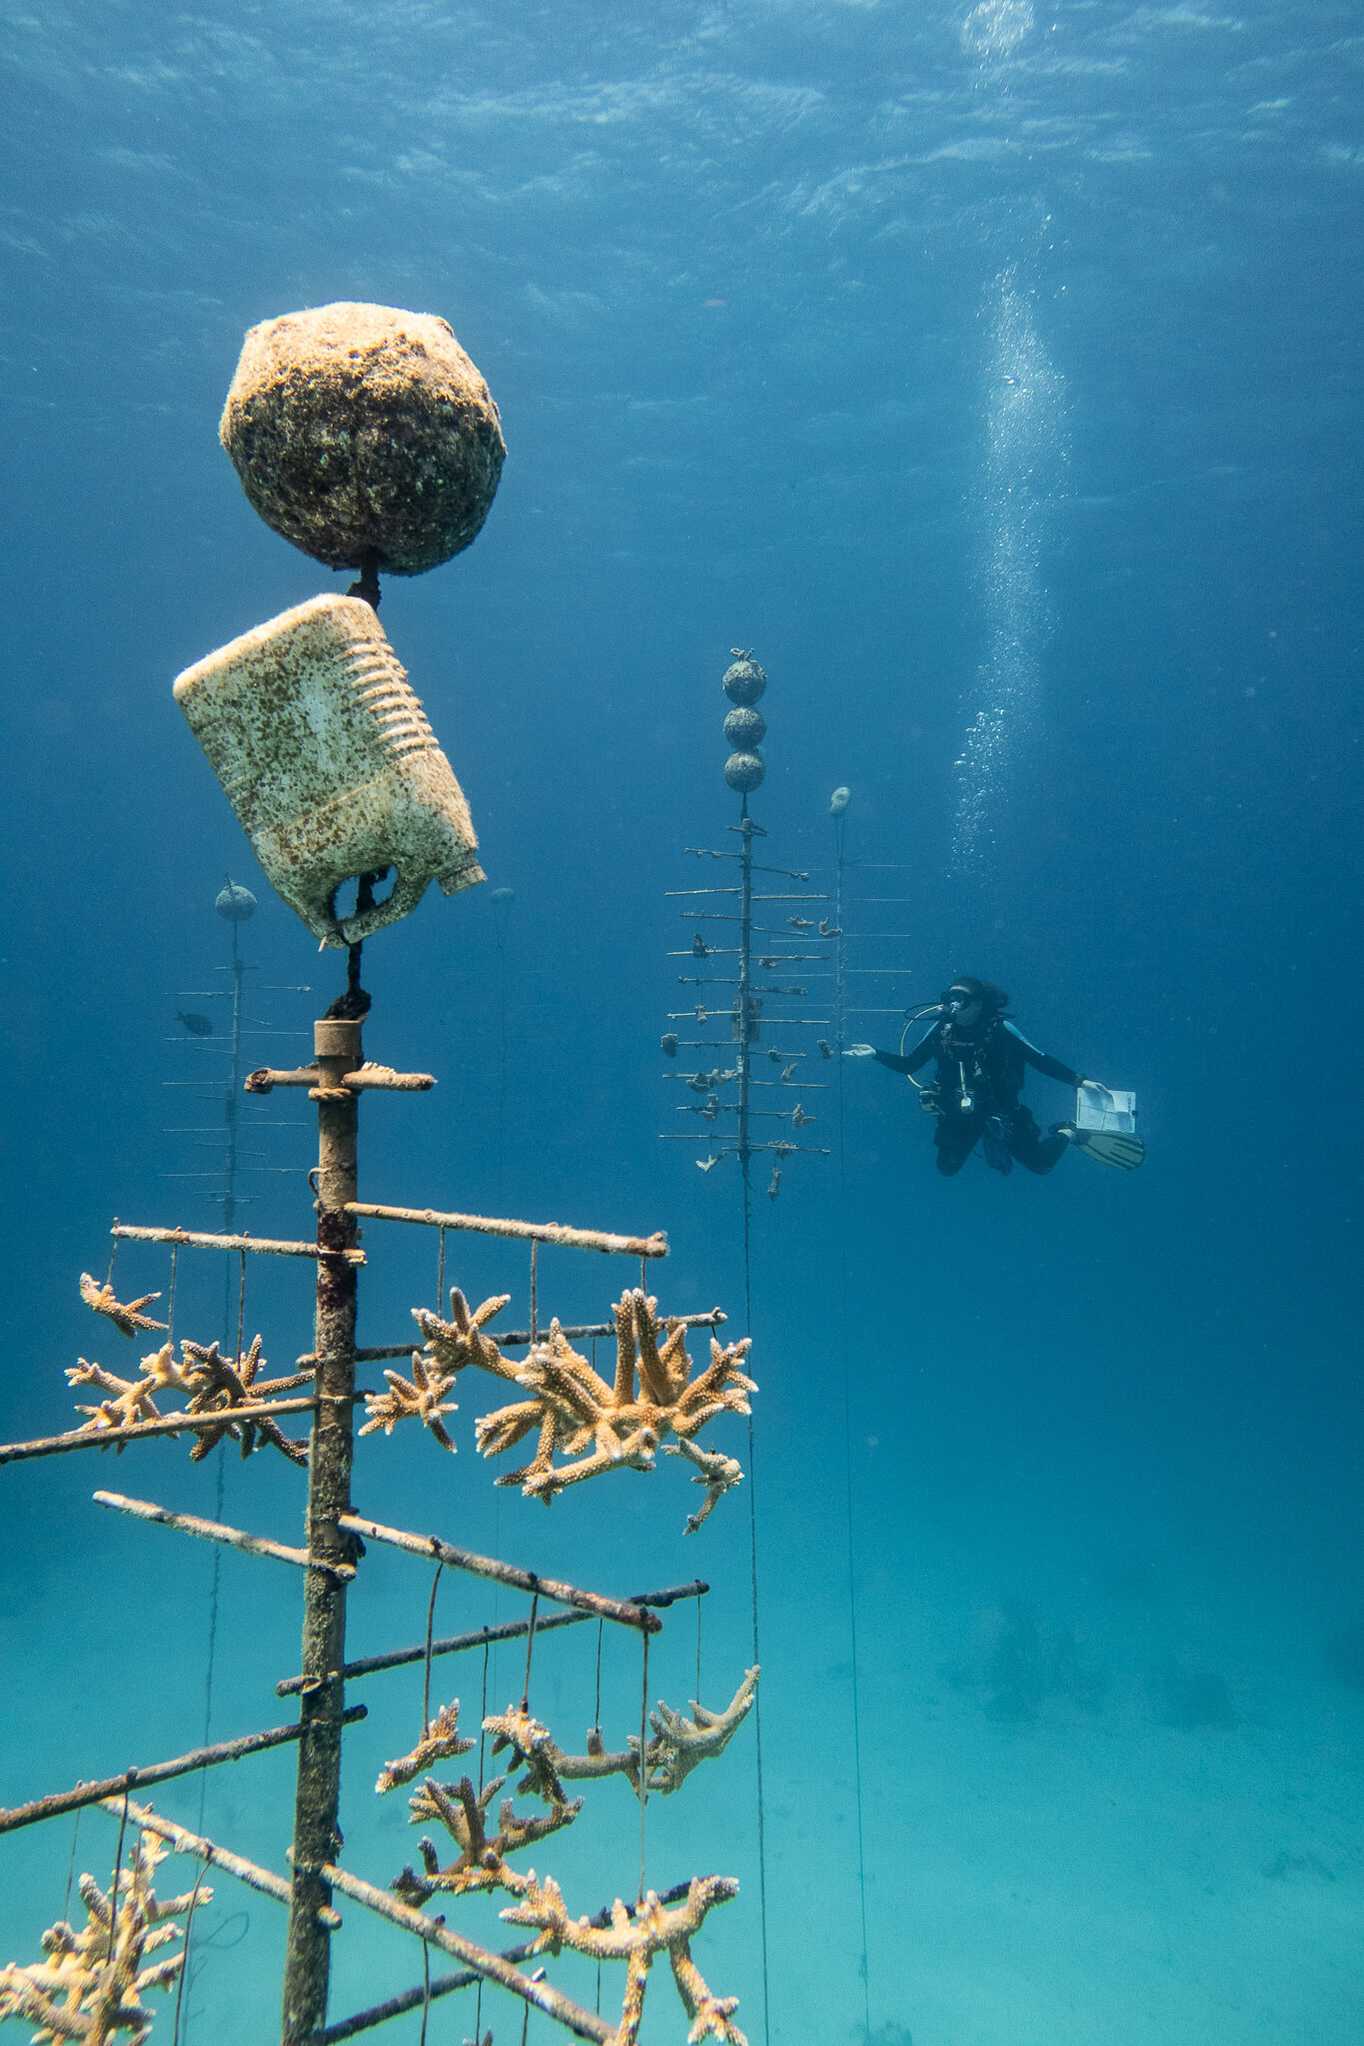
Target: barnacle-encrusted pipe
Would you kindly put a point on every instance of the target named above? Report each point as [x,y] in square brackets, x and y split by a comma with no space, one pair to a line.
[317,1836]
[59,1801]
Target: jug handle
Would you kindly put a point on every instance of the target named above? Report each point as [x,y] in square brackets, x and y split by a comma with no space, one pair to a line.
[401,900]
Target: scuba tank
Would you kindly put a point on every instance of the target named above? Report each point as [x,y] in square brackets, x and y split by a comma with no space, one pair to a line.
[963,994]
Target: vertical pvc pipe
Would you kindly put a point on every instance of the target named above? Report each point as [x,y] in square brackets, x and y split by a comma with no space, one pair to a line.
[317,1835]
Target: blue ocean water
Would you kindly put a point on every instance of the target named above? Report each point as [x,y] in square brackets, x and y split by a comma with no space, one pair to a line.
[993,373]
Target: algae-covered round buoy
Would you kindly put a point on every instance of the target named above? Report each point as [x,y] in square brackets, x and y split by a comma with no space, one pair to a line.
[235,904]
[364,435]
[744,680]
[745,728]
[744,771]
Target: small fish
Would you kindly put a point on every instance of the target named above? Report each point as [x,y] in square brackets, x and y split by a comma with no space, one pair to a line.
[197,1025]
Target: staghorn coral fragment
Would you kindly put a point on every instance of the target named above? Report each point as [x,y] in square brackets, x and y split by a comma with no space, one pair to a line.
[679,1743]
[420,1398]
[216,1386]
[459,1342]
[441,1740]
[210,1384]
[637,1940]
[717,1472]
[90,1984]
[584,1425]
[481,1863]
[533,1745]
[127,1316]
[130,1399]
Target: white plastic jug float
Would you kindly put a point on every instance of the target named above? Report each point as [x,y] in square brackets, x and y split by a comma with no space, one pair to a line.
[366,436]
[327,758]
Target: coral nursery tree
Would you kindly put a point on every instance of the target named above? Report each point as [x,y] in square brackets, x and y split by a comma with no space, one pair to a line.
[367,437]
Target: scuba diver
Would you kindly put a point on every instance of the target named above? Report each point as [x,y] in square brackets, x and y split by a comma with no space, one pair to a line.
[982,1061]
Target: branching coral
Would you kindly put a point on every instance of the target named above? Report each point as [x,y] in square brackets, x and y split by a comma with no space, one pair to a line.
[441,1740]
[580,1418]
[127,1316]
[679,1743]
[91,1983]
[533,1745]
[717,1472]
[209,1383]
[456,1344]
[481,1863]
[637,1938]
[421,1398]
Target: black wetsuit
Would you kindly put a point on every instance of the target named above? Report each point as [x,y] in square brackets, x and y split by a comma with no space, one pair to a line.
[989,1070]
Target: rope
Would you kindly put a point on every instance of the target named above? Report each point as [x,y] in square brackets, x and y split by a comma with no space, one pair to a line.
[430,1629]
[596,1699]
[170,1290]
[71,1864]
[847,1452]
[482,1715]
[426,1990]
[441,1303]
[184,1956]
[747,1190]
[530,1649]
[220,1490]
[534,1291]
[241,1305]
[643,1755]
[757,1712]
[118,1870]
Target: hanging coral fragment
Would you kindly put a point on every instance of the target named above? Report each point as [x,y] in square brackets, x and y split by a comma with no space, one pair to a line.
[576,1416]
[90,1984]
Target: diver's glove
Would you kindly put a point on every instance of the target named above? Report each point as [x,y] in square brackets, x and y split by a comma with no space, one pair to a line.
[1097,1086]
[859,1051]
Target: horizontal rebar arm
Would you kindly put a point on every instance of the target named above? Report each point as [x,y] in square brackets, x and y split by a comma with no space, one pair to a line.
[527,1232]
[541,1996]
[157,1772]
[199,1239]
[675,894]
[705,852]
[482,1637]
[169,1424]
[248,1872]
[215,1531]
[442,1985]
[620,1610]
[513,1338]
[726,1147]
[382,1078]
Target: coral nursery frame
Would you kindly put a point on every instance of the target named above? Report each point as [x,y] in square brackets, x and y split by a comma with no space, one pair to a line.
[90,1985]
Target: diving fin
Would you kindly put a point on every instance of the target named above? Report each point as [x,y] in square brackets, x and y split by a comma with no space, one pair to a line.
[1110,1147]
